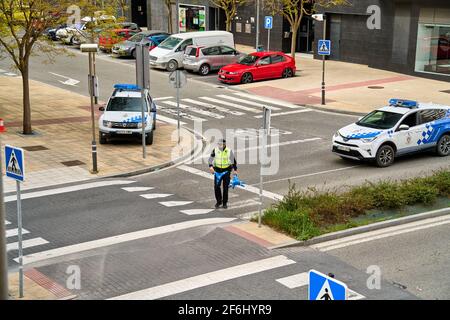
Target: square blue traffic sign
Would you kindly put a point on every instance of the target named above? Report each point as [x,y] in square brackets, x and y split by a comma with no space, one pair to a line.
[15,163]
[268,22]
[324,48]
[323,287]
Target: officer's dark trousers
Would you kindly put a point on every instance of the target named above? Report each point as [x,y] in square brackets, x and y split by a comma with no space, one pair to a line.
[225,182]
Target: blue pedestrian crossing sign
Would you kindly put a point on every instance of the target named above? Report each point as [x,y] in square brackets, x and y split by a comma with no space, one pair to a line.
[268,22]
[324,47]
[323,287]
[15,163]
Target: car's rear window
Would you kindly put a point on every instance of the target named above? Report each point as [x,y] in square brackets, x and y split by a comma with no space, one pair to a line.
[191,51]
[125,104]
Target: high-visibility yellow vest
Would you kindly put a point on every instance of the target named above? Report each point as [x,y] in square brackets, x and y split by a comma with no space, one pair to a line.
[222,158]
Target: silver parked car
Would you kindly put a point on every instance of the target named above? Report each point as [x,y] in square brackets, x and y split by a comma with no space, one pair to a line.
[204,59]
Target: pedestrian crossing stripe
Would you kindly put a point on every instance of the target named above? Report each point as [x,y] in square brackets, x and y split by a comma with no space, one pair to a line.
[15,164]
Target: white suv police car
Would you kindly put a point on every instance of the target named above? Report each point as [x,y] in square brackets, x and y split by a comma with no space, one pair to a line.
[401,128]
[122,116]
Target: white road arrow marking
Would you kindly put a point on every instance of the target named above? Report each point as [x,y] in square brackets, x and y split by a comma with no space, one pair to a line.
[68,82]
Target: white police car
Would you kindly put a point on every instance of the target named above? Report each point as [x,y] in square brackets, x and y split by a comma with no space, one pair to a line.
[401,128]
[122,116]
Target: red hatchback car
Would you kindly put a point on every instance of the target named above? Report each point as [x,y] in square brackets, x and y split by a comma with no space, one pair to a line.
[109,38]
[259,66]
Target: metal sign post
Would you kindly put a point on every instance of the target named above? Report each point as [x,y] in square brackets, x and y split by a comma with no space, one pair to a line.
[3,256]
[178,79]
[15,169]
[143,81]
[266,132]
[268,24]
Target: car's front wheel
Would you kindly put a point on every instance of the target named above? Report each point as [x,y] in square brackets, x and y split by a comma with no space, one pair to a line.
[149,138]
[443,146]
[102,139]
[172,65]
[247,78]
[385,156]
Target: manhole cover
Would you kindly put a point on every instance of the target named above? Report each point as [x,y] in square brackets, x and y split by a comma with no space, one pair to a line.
[35,148]
[73,163]
[446,91]
[376,87]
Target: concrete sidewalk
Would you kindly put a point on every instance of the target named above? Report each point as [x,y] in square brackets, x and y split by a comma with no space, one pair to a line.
[350,87]
[60,151]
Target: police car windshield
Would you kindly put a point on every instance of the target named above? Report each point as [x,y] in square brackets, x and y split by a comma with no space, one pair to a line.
[380,120]
[125,104]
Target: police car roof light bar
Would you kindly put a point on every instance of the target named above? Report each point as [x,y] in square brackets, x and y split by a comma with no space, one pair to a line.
[129,87]
[403,103]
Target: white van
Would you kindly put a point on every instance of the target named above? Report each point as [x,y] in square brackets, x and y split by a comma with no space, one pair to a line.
[170,53]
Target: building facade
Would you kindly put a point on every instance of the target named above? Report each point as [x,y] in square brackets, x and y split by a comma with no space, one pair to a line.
[413,36]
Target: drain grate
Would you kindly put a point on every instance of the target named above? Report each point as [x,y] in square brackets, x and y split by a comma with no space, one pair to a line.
[375,87]
[35,148]
[446,91]
[73,163]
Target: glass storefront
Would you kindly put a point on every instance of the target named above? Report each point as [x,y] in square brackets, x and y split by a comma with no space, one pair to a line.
[433,45]
[192,18]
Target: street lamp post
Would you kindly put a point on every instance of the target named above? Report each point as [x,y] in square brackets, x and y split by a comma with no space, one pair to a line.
[257,25]
[322,18]
[92,49]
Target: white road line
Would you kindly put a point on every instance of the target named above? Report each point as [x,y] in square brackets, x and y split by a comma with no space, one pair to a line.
[7,222]
[15,232]
[79,187]
[69,81]
[194,109]
[162,98]
[137,189]
[267,100]
[230,104]
[287,143]
[26,244]
[10,74]
[170,204]
[208,105]
[311,174]
[383,233]
[295,281]
[251,103]
[207,279]
[353,295]
[248,188]
[147,233]
[286,113]
[156,195]
[2,71]
[182,114]
[168,120]
[195,212]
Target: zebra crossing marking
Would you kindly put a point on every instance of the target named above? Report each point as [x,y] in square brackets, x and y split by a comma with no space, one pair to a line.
[268,100]
[230,104]
[155,195]
[295,281]
[218,108]
[251,103]
[15,232]
[170,204]
[182,114]
[194,212]
[137,189]
[29,243]
[194,109]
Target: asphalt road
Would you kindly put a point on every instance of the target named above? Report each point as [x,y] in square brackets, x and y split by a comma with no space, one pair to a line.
[305,159]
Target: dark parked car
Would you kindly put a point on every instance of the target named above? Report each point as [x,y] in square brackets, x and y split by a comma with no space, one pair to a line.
[127,48]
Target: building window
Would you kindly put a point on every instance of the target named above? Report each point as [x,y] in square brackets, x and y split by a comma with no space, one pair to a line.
[433,44]
[191,18]
[248,28]
[238,27]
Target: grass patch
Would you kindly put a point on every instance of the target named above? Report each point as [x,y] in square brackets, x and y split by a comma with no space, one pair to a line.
[306,214]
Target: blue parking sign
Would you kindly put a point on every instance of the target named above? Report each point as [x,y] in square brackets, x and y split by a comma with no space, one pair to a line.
[268,22]
[324,48]
[323,287]
[15,163]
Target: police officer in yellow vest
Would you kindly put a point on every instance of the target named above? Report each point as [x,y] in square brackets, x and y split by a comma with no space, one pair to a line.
[222,160]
